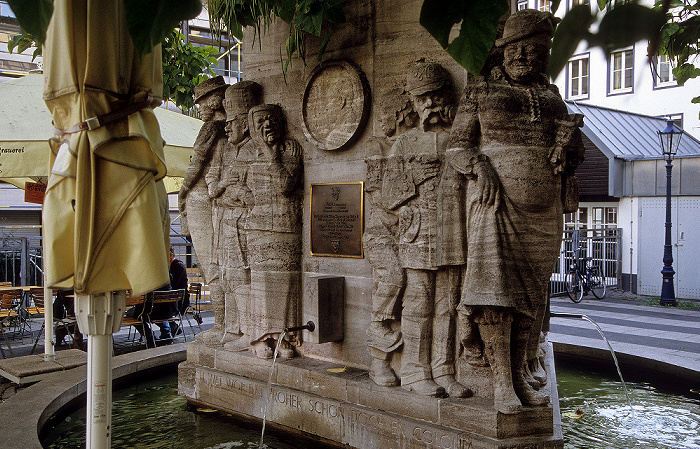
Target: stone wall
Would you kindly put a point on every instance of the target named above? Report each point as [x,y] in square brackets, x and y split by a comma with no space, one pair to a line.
[383,39]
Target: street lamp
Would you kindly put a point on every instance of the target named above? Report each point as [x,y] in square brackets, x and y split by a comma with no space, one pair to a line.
[670,137]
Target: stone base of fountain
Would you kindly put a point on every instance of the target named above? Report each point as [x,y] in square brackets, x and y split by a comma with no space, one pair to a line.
[346,407]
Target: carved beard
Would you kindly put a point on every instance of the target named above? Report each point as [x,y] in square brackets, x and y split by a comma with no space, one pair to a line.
[435,116]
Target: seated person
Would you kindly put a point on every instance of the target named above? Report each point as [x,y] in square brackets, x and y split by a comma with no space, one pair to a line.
[178,280]
[62,308]
[158,312]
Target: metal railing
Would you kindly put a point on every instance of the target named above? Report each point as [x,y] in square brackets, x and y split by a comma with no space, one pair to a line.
[21,260]
[602,245]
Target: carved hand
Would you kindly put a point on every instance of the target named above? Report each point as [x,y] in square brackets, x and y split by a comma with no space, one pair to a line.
[488,184]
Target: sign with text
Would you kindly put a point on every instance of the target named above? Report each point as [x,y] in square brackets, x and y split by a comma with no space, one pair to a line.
[337,219]
[34,192]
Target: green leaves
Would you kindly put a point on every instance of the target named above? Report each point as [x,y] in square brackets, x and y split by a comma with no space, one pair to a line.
[23,41]
[477,33]
[626,24]
[572,29]
[33,16]
[149,22]
[184,66]
[305,17]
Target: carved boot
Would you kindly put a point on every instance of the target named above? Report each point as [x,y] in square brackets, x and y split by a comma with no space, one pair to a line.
[381,373]
[537,368]
[530,379]
[496,338]
[525,391]
[213,336]
[453,388]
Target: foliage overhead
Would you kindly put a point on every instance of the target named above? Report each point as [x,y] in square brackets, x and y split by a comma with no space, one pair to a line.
[184,66]
[21,42]
[305,17]
[477,33]
[148,21]
[680,38]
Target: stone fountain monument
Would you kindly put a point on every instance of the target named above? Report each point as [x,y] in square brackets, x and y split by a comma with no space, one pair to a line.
[413,214]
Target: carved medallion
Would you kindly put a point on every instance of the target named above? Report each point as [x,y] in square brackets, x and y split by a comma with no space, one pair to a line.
[336,105]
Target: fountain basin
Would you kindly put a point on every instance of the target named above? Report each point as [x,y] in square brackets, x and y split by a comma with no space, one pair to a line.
[31,408]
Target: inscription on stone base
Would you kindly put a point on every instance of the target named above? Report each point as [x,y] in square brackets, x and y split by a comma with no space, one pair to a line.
[350,409]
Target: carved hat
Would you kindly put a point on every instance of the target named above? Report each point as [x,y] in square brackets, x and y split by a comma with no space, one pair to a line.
[208,86]
[240,97]
[528,23]
[426,77]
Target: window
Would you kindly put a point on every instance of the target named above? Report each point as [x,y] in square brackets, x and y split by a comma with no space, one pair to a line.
[622,71]
[664,74]
[579,2]
[5,10]
[578,78]
[544,5]
[522,4]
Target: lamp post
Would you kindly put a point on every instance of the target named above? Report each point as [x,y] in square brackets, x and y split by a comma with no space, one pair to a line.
[670,137]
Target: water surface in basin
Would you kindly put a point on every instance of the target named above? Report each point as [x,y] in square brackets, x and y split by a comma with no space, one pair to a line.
[151,415]
[595,414]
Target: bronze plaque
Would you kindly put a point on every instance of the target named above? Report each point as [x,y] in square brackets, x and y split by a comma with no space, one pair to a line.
[337,219]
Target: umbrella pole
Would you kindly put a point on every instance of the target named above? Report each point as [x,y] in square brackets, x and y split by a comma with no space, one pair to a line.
[99,316]
[49,350]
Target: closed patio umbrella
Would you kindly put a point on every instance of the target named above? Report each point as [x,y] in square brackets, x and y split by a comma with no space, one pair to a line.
[105,209]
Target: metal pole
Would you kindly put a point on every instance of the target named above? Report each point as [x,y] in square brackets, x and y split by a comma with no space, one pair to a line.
[49,350]
[668,295]
[99,316]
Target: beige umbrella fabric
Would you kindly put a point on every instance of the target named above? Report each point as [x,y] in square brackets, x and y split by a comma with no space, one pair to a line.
[105,211]
[26,126]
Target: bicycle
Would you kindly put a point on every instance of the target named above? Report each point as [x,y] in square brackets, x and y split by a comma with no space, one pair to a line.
[582,277]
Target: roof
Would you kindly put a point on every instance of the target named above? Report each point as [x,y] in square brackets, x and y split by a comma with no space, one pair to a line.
[626,135]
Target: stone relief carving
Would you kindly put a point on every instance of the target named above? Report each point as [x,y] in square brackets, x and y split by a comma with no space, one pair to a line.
[336,104]
[232,200]
[466,220]
[194,201]
[404,246]
[273,173]
[504,144]
[242,201]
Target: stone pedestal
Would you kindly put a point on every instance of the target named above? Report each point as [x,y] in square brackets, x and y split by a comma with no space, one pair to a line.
[346,407]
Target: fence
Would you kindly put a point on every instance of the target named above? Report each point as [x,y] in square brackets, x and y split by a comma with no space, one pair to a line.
[20,260]
[602,245]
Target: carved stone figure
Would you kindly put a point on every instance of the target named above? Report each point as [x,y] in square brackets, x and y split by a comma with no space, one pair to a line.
[513,141]
[381,243]
[232,200]
[413,172]
[193,199]
[273,173]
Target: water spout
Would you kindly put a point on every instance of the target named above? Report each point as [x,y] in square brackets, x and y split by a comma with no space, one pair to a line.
[612,352]
[310,326]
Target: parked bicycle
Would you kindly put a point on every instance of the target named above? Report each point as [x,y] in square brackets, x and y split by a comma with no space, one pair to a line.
[584,277]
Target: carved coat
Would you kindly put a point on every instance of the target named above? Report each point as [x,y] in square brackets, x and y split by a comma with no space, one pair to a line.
[414,190]
[511,250]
